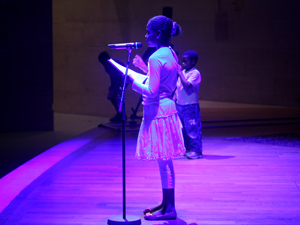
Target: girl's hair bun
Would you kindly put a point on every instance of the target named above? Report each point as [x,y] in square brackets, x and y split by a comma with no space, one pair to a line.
[176,29]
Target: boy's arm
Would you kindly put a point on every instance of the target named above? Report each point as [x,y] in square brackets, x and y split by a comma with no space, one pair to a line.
[184,81]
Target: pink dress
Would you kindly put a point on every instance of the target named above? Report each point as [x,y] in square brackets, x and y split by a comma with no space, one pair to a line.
[160,135]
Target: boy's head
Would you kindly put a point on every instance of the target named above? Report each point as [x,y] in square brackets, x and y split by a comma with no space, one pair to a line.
[189,59]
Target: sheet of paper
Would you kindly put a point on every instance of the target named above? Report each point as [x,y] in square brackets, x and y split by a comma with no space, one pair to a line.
[139,77]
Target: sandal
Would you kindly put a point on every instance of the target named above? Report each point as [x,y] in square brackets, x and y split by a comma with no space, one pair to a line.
[159,216]
[154,209]
[148,210]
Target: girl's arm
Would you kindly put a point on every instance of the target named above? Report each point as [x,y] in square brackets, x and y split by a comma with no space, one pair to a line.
[150,88]
[132,75]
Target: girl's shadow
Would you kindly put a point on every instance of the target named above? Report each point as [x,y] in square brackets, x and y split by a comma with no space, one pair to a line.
[209,157]
[178,221]
[217,157]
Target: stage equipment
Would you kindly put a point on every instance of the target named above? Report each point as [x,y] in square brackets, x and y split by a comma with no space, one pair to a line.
[134,116]
[128,220]
[135,45]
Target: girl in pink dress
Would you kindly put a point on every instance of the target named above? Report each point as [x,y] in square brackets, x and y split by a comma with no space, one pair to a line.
[160,136]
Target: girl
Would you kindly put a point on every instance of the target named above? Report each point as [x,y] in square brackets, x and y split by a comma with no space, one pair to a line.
[160,136]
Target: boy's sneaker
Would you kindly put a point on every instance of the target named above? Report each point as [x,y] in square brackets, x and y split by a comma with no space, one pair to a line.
[186,153]
[194,155]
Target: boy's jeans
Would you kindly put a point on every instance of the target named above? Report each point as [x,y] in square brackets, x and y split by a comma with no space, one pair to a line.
[190,117]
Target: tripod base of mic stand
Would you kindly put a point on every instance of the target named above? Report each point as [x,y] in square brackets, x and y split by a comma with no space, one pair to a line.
[118,220]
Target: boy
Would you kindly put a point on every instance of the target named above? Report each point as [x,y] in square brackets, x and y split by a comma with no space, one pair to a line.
[187,104]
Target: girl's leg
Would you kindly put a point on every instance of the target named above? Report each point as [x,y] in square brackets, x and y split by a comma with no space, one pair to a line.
[167,207]
[167,174]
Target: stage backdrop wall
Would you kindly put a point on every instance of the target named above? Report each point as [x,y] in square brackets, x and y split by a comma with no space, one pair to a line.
[248,49]
[26,65]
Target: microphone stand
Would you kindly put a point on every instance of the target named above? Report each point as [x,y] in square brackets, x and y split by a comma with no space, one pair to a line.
[128,220]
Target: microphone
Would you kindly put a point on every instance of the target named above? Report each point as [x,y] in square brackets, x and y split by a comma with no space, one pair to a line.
[135,45]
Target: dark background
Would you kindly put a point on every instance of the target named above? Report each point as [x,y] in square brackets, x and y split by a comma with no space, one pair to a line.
[249,52]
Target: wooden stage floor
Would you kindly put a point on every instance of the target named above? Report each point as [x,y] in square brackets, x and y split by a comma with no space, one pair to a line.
[80,181]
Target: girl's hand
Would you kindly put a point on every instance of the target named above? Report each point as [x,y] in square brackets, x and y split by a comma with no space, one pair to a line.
[138,62]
